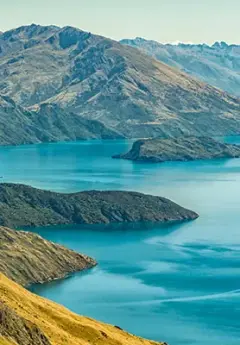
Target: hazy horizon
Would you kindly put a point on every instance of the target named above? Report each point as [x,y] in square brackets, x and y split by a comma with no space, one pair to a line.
[160,20]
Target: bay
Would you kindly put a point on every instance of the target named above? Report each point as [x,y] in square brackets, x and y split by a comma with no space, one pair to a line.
[179,283]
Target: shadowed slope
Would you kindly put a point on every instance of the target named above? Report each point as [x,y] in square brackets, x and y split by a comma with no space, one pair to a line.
[22,205]
[19,126]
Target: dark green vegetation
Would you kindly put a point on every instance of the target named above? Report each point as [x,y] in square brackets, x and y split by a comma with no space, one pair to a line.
[179,149]
[68,84]
[22,205]
[217,65]
[28,258]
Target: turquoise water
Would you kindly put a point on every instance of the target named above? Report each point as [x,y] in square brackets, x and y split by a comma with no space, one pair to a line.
[178,283]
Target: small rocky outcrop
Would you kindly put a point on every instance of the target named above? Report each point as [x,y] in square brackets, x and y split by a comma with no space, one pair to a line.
[179,149]
[28,258]
[18,329]
[22,205]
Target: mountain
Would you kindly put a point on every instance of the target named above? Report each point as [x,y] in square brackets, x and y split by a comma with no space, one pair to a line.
[28,258]
[98,79]
[50,123]
[22,205]
[179,149]
[27,319]
[217,65]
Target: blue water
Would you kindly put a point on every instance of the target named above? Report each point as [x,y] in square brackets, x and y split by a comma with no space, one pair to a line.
[178,283]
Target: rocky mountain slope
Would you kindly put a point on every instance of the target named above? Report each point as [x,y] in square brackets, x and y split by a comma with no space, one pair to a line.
[16,330]
[19,126]
[28,258]
[100,79]
[217,65]
[27,319]
[179,149]
[22,205]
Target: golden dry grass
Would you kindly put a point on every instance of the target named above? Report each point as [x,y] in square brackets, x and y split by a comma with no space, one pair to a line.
[61,326]
[4,341]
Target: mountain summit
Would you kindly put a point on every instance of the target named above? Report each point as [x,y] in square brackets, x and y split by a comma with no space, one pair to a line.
[96,78]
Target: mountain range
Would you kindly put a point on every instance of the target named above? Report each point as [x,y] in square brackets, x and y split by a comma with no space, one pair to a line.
[67,84]
[217,65]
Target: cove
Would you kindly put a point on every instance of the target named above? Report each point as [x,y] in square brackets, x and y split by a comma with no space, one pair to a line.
[178,282]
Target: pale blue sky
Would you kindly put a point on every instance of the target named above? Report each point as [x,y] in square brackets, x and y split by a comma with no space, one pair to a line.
[165,21]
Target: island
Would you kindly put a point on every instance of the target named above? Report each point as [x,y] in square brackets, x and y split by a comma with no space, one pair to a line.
[27,258]
[22,206]
[179,149]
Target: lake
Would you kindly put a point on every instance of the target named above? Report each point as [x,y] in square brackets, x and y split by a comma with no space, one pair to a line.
[178,283]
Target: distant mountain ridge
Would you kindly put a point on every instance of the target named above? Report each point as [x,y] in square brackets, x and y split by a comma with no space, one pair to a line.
[217,64]
[63,77]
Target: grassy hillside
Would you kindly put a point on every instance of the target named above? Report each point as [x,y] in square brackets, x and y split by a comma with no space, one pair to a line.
[53,322]
[28,258]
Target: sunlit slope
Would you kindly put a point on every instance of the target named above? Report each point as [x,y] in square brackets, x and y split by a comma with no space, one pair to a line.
[4,341]
[59,325]
[28,258]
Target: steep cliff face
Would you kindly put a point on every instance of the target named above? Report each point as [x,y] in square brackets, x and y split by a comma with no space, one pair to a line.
[100,79]
[179,149]
[28,258]
[26,319]
[217,65]
[22,205]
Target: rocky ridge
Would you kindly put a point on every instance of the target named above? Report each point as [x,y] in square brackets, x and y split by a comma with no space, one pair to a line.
[22,205]
[217,65]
